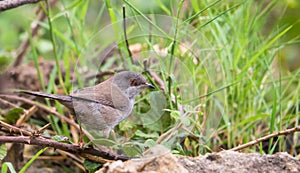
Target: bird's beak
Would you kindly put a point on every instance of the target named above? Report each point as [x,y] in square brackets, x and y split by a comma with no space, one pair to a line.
[149,86]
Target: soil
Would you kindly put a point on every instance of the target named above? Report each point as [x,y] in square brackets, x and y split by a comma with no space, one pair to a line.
[225,161]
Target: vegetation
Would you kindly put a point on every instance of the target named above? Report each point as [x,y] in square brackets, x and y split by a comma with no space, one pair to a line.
[221,69]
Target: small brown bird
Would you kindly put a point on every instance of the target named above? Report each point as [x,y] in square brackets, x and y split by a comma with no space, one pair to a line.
[103,106]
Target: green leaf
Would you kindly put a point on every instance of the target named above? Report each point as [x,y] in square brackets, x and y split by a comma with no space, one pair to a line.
[4,62]
[104,142]
[62,139]
[144,135]
[44,46]
[150,143]
[158,104]
[186,121]
[91,166]
[3,151]
[175,114]
[13,115]
[131,150]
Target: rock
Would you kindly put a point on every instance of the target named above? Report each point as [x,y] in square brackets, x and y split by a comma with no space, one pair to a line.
[230,161]
[159,159]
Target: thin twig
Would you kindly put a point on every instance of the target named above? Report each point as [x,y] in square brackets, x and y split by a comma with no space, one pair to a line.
[125,35]
[41,130]
[256,141]
[26,115]
[165,136]
[157,80]
[9,4]
[15,129]
[8,103]
[150,30]
[94,158]
[76,160]
[71,156]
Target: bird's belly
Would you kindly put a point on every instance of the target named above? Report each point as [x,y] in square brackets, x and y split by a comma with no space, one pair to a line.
[95,116]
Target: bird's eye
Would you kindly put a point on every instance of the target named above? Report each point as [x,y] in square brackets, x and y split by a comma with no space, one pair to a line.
[133,82]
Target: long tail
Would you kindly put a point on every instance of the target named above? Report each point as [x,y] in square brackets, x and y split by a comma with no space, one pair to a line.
[63,98]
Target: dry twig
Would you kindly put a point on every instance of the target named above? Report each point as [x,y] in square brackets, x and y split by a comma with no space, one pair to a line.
[256,141]
[15,129]
[9,4]
[26,115]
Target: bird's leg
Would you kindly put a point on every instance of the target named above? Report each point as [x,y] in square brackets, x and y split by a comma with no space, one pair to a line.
[106,133]
[81,142]
[113,134]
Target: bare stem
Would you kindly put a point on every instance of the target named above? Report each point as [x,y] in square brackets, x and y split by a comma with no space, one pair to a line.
[256,141]
[9,4]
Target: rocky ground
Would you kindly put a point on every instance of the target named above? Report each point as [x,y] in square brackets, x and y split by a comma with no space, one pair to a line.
[225,161]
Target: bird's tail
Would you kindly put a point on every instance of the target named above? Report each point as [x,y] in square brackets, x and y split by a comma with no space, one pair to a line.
[63,99]
[58,97]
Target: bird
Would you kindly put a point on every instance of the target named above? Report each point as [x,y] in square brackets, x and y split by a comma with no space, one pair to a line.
[105,105]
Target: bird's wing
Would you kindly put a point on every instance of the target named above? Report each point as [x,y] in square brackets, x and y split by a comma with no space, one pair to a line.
[98,94]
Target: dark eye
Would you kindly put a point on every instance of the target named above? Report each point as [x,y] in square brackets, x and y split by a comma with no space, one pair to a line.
[133,82]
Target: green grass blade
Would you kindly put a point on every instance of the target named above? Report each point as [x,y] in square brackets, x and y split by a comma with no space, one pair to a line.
[35,60]
[52,36]
[264,48]
[8,165]
[200,12]
[147,19]
[27,165]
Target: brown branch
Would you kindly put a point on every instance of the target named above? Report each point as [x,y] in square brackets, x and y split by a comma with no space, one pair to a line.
[89,153]
[157,80]
[256,141]
[73,158]
[26,115]
[94,158]
[6,103]
[15,129]
[9,4]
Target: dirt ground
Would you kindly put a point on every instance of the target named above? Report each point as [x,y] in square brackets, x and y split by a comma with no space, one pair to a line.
[225,161]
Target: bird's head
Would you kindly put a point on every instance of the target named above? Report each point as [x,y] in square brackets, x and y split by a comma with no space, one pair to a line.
[131,83]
